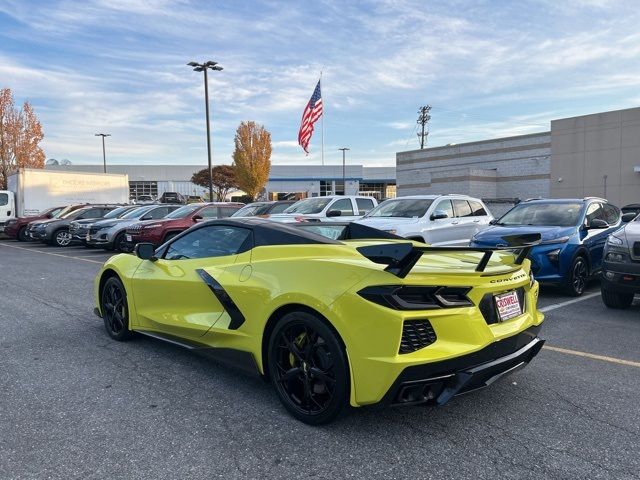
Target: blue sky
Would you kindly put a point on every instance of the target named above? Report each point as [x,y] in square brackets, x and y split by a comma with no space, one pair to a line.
[488,68]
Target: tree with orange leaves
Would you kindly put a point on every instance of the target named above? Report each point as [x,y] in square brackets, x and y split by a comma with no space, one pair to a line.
[252,157]
[20,134]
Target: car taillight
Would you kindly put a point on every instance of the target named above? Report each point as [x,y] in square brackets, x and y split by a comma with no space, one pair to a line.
[409,297]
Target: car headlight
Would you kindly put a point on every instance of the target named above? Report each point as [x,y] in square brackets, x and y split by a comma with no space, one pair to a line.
[150,227]
[612,240]
[556,240]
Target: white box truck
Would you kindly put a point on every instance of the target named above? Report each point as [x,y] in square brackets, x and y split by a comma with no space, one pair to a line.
[31,191]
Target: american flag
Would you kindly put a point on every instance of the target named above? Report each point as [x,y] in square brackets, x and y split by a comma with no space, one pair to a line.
[311,114]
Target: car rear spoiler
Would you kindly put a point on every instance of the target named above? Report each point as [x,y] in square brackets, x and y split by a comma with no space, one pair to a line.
[400,258]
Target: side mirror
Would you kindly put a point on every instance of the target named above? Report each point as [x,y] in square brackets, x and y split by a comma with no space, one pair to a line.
[493,221]
[438,215]
[597,223]
[145,251]
[197,218]
[627,217]
[334,213]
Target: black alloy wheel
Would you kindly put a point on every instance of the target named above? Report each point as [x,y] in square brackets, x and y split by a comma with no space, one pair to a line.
[22,234]
[115,310]
[578,277]
[61,237]
[308,368]
[120,242]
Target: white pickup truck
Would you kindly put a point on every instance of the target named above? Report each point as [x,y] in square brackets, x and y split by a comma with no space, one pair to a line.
[342,208]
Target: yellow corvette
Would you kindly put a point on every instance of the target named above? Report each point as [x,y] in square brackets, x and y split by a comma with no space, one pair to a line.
[332,314]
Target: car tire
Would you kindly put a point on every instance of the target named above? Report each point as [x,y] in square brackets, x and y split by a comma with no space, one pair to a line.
[617,300]
[115,309]
[577,277]
[61,238]
[22,235]
[118,243]
[311,377]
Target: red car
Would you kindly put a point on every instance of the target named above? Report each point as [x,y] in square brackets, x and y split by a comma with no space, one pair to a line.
[160,231]
[17,227]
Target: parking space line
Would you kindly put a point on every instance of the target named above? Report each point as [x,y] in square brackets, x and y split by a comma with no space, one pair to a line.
[593,356]
[548,308]
[50,253]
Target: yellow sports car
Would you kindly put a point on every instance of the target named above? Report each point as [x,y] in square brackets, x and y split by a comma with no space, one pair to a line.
[332,314]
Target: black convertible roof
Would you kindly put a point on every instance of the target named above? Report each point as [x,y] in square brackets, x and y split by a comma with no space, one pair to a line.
[268,232]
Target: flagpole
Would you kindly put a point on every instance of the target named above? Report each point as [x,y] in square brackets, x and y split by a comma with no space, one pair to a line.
[323,110]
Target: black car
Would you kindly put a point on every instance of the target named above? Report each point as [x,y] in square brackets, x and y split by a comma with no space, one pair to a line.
[263,209]
[172,197]
[621,266]
[56,230]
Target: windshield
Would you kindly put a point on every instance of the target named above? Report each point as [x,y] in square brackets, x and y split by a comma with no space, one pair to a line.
[309,205]
[543,214]
[117,212]
[250,210]
[404,208]
[73,213]
[4,199]
[183,211]
[137,212]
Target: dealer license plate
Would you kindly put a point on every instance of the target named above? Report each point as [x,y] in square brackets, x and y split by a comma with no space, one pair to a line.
[128,237]
[508,305]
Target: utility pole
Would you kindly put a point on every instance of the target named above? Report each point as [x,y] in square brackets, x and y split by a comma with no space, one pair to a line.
[104,154]
[423,120]
[344,183]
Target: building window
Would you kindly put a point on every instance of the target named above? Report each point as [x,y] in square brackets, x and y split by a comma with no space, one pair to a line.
[379,191]
[339,187]
[137,189]
[326,188]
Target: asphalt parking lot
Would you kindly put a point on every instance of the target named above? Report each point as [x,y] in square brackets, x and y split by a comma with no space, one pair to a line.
[75,404]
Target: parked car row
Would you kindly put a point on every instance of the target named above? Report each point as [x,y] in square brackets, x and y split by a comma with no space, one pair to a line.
[580,238]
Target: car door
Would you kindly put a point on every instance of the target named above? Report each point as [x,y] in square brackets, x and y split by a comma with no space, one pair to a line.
[481,216]
[464,221]
[345,207]
[179,293]
[442,230]
[595,238]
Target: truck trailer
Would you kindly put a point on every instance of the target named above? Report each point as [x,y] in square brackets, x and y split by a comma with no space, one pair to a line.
[30,191]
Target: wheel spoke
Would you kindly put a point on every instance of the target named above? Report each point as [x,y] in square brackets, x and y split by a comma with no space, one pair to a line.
[290,374]
[324,377]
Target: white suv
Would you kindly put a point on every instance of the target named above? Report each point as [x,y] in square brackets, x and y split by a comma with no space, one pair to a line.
[434,219]
[342,208]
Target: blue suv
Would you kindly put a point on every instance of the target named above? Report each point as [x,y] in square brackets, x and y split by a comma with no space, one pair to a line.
[574,232]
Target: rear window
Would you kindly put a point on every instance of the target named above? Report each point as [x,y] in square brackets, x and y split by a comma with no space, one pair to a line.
[365,205]
[477,209]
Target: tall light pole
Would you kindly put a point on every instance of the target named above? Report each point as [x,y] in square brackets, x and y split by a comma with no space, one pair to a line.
[344,183]
[104,154]
[203,67]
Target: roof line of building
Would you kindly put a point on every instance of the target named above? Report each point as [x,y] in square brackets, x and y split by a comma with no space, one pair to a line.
[480,142]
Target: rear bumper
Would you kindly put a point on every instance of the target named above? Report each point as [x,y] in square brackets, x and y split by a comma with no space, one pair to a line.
[438,382]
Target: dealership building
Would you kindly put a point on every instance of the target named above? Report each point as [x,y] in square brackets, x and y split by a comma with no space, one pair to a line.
[285,181]
[590,155]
